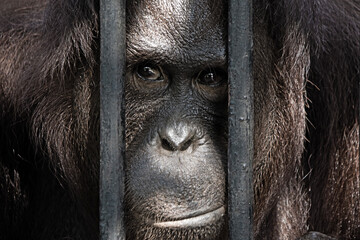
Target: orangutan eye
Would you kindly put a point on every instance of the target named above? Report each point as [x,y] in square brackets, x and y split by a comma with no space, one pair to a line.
[149,72]
[212,77]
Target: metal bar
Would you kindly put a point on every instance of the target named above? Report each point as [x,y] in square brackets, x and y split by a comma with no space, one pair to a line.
[241,121]
[112,119]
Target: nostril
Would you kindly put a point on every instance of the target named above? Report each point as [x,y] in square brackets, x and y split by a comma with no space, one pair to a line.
[177,138]
[167,145]
[186,144]
[173,146]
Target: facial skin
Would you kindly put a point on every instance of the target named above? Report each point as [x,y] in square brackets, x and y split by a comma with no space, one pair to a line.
[176,118]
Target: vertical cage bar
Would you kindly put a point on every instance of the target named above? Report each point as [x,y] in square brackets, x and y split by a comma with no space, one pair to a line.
[240,148]
[112,119]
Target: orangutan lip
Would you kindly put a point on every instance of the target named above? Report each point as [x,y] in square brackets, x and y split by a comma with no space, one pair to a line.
[196,221]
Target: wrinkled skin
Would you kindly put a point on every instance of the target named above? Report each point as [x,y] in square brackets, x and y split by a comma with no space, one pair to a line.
[306,134]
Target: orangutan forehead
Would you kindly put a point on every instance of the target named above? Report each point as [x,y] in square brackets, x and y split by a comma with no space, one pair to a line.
[180,26]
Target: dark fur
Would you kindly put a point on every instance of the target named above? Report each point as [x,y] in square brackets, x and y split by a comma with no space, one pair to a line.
[306,169]
[49,121]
